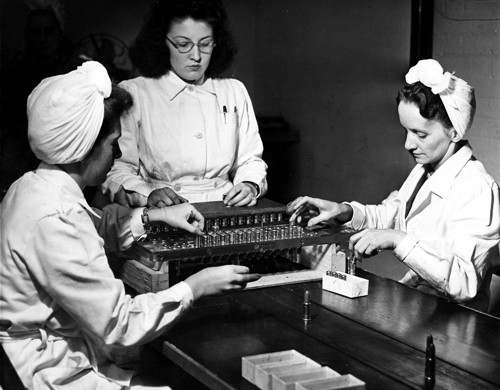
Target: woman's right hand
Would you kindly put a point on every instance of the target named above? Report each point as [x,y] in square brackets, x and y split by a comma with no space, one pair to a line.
[307,211]
[218,280]
[164,197]
[183,216]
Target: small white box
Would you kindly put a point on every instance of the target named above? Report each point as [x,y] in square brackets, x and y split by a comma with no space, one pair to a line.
[288,381]
[249,364]
[264,372]
[345,284]
[341,382]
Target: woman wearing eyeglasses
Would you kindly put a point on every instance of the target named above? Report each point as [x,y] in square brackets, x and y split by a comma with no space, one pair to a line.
[191,136]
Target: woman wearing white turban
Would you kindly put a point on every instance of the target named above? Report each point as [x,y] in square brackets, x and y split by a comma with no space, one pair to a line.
[61,309]
[444,222]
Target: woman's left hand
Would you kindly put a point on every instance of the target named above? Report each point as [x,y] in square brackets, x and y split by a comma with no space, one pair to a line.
[371,241]
[242,194]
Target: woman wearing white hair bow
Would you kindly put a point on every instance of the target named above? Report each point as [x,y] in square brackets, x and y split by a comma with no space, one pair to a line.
[444,222]
[61,309]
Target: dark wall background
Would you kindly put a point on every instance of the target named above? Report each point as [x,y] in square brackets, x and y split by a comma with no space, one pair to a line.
[329,70]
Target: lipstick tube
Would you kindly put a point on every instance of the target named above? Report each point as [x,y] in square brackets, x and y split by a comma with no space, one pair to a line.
[307,308]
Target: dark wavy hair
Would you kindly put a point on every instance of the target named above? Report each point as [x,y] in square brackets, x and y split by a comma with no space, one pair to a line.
[149,52]
[429,104]
[117,104]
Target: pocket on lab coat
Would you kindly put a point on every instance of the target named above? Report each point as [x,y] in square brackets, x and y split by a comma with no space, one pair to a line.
[229,135]
[231,121]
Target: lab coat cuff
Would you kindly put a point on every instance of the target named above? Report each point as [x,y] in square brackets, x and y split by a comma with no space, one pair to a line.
[358,217]
[141,188]
[180,292]
[136,225]
[257,187]
[257,181]
[405,246]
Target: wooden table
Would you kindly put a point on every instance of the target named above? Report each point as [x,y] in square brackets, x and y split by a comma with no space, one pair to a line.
[379,338]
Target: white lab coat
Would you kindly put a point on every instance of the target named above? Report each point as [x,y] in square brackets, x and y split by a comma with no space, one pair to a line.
[196,139]
[453,228]
[60,306]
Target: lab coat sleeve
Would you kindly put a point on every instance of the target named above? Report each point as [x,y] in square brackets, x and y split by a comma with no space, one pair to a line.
[125,171]
[457,263]
[67,258]
[118,226]
[249,165]
[382,216]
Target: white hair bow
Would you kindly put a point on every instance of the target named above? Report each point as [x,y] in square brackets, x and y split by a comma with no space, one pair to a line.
[455,93]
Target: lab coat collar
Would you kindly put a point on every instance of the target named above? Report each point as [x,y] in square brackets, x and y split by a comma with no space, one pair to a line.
[441,180]
[174,85]
[60,179]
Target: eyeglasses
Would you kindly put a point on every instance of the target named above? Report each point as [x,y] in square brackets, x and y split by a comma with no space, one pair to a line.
[185,46]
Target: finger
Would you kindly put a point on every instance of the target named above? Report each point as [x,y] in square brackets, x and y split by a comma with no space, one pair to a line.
[190,228]
[198,218]
[150,202]
[171,198]
[241,269]
[361,247]
[160,204]
[354,239]
[176,200]
[228,197]
[290,206]
[253,202]
[299,202]
[251,278]
[356,253]
[232,193]
[245,201]
[237,200]
[182,199]
[372,249]
[296,214]
[165,199]
[302,220]
[198,231]
[315,221]
[357,236]
[309,202]
[198,227]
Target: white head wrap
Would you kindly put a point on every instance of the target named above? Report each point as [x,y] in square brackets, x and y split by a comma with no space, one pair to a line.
[455,93]
[65,113]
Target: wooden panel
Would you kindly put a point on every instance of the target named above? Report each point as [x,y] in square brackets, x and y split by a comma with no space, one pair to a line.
[137,276]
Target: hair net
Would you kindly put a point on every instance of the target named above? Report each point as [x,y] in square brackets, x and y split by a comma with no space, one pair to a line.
[455,93]
[65,113]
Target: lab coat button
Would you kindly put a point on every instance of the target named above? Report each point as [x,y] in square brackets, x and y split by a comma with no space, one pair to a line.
[216,184]
[190,88]
[177,187]
[198,135]
[196,178]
